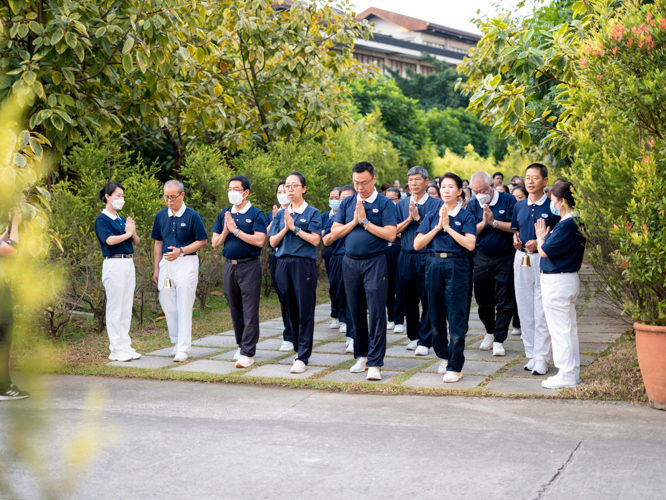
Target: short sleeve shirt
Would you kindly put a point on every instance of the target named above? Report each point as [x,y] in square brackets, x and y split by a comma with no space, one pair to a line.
[292,244]
[106,226]
[409,234]
[525,215]
[565,247]
[249,221]
[338,246]
[463,222]
[494,241]
[178,231]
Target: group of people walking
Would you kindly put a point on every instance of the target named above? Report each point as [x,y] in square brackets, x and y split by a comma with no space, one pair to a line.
[407,264]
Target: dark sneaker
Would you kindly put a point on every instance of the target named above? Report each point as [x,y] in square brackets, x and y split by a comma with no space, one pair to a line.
[13,392]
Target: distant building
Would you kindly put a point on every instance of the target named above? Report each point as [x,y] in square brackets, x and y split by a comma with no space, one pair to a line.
[399,41]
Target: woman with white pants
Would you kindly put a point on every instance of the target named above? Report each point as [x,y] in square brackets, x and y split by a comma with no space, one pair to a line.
[117,238]
[561,254]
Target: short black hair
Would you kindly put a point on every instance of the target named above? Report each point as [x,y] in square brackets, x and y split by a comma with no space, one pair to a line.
[514,178]
[245,182]
[466,180]
[300,176]
[346,188]
[336,188]
[394,190]
[520,187]
[543,170]
[559,179]
[364,166]
[456,179]
[109,189]
[281,183]
[498,173]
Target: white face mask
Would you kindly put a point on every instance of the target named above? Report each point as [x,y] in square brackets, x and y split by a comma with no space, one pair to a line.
[283,199]
[118,204]
[483,198]
[235,198]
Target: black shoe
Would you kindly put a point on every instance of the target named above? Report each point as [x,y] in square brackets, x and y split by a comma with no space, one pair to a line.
[13,392]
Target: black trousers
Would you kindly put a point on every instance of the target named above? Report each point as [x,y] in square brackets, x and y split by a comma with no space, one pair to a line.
[5,348]
[470,283]
[412,279]
[297,279]
[338,285]
[494,291]
[367,290]
[395,304]
[327,253]
[286,334]
[242,288]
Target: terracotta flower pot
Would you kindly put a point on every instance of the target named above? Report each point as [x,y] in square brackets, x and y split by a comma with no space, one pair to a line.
[651,350]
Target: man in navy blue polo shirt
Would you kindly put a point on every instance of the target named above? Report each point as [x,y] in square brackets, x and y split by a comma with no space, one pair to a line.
[412,263]
[368,221]
[179,233]
[241,228]
[493,261]
[527,280]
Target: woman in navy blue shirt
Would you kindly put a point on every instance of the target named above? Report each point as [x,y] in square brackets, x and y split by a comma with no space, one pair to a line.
[327,252]
[561,254]
[450,234]
[296,232]
[117,238]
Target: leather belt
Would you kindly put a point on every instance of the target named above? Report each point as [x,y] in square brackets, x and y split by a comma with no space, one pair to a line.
[241,261]
[447,255]
[119,256]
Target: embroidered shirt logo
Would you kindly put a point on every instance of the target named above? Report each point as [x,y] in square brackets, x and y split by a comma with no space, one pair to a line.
[182,224]
[248,220]
[502,211]
[375,210]
[545,216]
[458,223]
[303,220]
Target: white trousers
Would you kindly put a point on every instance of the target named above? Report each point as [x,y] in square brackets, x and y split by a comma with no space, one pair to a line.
[533,324]
[560,292]
[177,302]
[119,282]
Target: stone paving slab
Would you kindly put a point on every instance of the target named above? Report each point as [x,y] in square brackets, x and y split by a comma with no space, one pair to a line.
[509,345]
[259,355]
[320,359]
[475,354]
[269,332]
[482,367]
[586,359]
[326,335]
[272,325]
[394,337]
[281,371]
[508,385]
[326,328]
[271,344]
[228,332]
[208,366]
[195,352]
[331,347]
[404,363]
[400,351]
[605,328]
[596,348]
[519,371]
[347,376]
[434,380]
[144,362]
[216,341]
[602,320]
[594,338]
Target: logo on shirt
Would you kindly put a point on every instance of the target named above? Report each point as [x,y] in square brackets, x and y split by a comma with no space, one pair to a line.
[303,220]
[182,224]
[458,223]
[502,211]
[248,220]
[545,216]
[375,210]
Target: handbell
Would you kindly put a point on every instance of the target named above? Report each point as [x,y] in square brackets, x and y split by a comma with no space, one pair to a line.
[167,281]
[525,261]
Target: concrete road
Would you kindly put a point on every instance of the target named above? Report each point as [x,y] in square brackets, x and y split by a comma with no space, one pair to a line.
[179,440]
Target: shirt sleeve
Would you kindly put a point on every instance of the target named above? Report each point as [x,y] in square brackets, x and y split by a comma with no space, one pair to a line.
[218,227]
[156,234]
[339,216]
[510,207]
[560,240]
[514,219]
[389,217]
[472,209]
[199,228]
[259,225]
[425,225]
[314,226]
[469,224]
[277,222]
[103,230]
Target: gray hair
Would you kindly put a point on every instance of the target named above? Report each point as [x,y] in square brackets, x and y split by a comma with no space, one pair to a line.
[484,175]
[418,170]
[174,182]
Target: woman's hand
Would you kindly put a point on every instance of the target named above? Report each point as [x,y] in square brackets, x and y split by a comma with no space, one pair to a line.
[541,229]
[289,221]
[130,226]
[275,210]
[443,218]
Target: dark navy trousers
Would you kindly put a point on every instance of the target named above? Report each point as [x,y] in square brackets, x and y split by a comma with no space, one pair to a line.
[367,289]
[327,253]
[297,280]
[412,278]
[447,282]
[286,334]
[395,304]
[338,285]
[494,291]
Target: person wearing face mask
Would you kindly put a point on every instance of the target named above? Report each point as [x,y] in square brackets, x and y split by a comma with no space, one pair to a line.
[241,230]
[117,238]
[334,204]
[395,303]
[527,280]
[493,260]
[283,200]
[179,233]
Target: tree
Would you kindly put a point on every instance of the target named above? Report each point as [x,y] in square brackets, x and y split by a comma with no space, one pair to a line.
[454,129]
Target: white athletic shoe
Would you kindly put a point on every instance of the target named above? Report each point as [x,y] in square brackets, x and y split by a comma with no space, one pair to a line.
[442,366]
[556,383]
[174,350]
[540,368]
[120,356]
[412,345]
[285,347]
[350,347]
[244,362]
[530,364]
[516,331]
[359,367]
[133,353]
[335,324]
[390,325]
[422,351]
[180,356]
[236,355]
[498,349]
[451,377]
[487,342]
[298,367]
[399,329]
[343,328]
[348,340]
[374,373]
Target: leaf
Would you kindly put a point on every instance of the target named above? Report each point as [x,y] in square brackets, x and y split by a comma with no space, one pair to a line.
[141,61]
[20,160]
[57,122]
[69,76]
[39,89]
[519,106]
[64,116]
[36,148]
[100,32]
[23,30]
[129,43]
[128,65]
[23,139]
[526,138]
[29,77]
[70,39]
[56,77]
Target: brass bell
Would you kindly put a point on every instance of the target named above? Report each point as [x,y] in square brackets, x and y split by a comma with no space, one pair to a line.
[525,261]
[167,281]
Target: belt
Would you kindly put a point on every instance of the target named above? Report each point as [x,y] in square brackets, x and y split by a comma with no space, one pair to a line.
[553,272]
[524,250]
[447,255]
[119,256]
[241,261]
[364,257]
[183,255]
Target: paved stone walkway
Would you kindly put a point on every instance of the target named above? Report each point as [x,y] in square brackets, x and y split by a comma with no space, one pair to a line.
[503,375]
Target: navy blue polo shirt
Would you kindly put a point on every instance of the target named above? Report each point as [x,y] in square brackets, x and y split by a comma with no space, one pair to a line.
[252,221]
[360,242]
[565,247]
[525,216]
[463,223]
[178,231]
[324,219]
[105,226]
[338,246]
[292,244]
[494,241]
[409,234]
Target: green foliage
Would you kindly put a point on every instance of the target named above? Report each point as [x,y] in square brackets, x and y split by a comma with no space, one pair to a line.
[454,129]
[465,165]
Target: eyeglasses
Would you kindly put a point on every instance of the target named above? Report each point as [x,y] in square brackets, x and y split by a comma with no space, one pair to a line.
[292,187]
[362,184]
[172,197]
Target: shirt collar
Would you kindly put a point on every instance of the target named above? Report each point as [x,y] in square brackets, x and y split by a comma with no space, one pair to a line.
[456,210]
[110,215]
[179,213]
[242,210]
[495,199]
[300,209]
[539,202]
[421,201]
[569,215]
[370,199]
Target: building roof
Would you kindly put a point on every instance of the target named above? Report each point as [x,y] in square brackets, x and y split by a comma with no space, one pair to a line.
[413,24]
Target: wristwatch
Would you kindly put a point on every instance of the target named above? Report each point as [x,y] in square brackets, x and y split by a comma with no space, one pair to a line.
[182,250]
[446,227]
[297,230]
[236,232]
[365,223]
[494,224]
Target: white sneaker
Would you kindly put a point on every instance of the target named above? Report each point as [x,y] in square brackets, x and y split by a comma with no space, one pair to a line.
[451,377]
[540,368]
[298,367]
[374,373]
[498,349]
[335,324]
[350,347]
[236,355]
[343,328]
[422,351]
[348,340]
[244,362]
[515,331]
[174,350]
[530,364]
[412,345]
[285,347]
[556,383]
[442,366]
[180,356]
[487,342]
[120,356]
[133,353]
[359,367]
[399,329]
[390,325]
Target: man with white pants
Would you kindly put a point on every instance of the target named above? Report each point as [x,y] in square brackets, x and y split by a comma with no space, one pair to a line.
[527,280]
[179,233]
